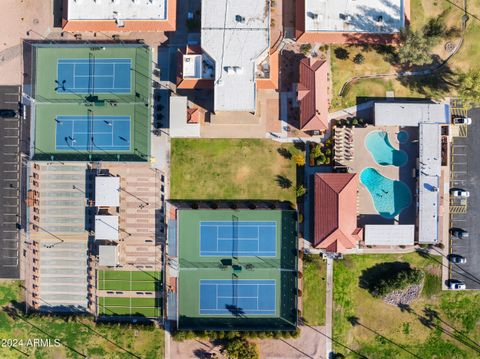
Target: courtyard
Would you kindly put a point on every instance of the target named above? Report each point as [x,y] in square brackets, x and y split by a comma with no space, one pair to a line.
[385,159]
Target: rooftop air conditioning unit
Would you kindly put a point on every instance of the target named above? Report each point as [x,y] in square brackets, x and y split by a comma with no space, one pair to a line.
[312,15]
[239,18]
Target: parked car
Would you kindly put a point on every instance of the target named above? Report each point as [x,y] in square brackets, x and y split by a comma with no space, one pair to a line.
[462,120]
[7,113]
[457,259]
[459,233]
[455,192]
[456,284]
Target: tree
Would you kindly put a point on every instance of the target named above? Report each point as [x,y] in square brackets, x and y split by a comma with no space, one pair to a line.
[300,190]
[415,49]
[469,89]
[359,59]
[299,159]
[240,348]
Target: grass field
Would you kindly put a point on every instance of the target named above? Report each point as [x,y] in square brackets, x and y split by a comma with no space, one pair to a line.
[436,325]
[79,337]
[376,63]
[314,289]
[231,169]
[129,280]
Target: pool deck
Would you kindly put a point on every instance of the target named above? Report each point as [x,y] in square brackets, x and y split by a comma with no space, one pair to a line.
[367,214]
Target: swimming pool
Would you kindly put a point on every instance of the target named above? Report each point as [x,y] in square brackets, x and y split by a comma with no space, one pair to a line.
[382,151]
[402,136]
[390,197]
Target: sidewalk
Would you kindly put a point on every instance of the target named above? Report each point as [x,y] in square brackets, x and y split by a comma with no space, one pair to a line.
[329,309]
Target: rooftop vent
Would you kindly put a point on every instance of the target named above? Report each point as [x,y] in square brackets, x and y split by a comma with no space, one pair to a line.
[312,15]
[240,19]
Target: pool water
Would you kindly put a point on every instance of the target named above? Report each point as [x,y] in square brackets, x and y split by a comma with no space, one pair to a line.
[402,136]
[390,197]
[382,151]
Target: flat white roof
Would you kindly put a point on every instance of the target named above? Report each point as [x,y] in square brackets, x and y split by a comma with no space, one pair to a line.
[389,234]
[117,9]
[371,16]
[107,256]
[430,158]
[106,227]
[179,127]
[107,191]
[192,66]
[411,113]
[235,34]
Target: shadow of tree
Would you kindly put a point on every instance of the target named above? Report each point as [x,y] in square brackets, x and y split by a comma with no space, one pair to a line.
[283,181]
[284,152]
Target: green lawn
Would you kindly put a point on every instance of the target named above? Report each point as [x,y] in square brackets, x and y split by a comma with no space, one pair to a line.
[231,169]
[79,337]
[314,289]
[381,330]
[436,86]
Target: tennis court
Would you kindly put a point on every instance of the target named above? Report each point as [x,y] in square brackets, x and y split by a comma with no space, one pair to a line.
[220,297]
[87,133]
[94,76]
[238,238]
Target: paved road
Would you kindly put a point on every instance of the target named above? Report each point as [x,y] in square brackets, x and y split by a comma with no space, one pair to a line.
[467,159]
[9,184]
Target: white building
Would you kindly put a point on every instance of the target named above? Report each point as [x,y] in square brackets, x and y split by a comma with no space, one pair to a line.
[236,35]
[428,117]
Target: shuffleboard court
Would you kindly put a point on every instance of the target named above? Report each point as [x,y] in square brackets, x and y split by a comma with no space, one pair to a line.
[237,297]
[92,133]
[94,76]
[238,238]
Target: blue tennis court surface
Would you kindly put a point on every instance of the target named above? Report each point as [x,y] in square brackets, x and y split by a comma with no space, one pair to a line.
[239,239]
[237,297]
[94,76]
[95,133]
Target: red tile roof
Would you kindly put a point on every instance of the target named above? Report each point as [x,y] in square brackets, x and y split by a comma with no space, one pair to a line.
[335,211]
[313,94]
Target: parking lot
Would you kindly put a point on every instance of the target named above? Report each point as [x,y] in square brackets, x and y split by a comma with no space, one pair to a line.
[10,184]
[466,175]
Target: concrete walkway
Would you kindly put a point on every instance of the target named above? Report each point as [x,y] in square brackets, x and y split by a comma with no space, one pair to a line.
[329,309]
[168,337]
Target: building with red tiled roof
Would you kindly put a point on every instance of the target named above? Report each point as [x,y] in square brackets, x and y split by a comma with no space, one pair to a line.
[119,15]
[335,212]
[312,94]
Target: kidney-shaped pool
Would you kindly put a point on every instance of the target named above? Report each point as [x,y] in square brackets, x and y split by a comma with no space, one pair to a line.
[389,196]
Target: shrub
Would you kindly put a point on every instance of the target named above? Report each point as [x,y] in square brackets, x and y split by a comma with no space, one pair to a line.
[240,348]
[305,49]
[299,159]
[341,53]
[300,190]
[359,59]
[316,151]
[182,335]
[435,27]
